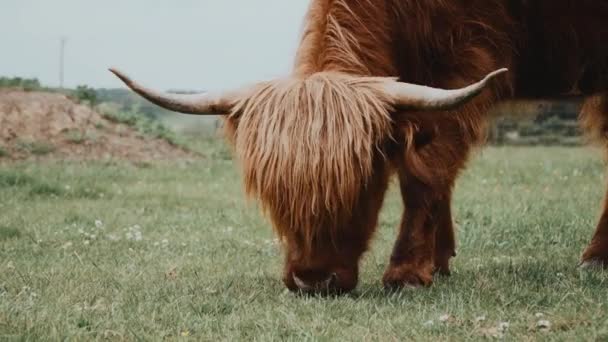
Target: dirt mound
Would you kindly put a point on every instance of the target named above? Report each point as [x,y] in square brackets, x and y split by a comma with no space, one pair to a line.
[48,125]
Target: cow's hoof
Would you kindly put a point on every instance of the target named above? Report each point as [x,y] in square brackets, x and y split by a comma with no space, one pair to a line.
[594,257]
[442,266]
[593,264]
[407,276]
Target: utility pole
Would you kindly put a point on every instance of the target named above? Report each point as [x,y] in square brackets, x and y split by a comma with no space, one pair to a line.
[62,61]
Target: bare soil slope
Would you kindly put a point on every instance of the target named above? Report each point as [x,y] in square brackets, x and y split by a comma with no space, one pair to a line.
[48,125]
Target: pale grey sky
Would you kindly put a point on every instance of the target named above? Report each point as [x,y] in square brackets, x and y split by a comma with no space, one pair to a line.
[186,44]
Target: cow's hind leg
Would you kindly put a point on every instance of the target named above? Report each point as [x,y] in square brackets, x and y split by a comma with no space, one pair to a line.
[594,119]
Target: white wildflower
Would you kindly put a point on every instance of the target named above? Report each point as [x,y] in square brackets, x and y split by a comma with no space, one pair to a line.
[503,326]
[113,237]
[479,319]
[98,224]
[543,325]
[134,233]
[428,323]
[444,318]
[539,315]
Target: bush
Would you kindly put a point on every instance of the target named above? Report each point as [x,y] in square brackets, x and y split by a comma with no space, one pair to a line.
[85,95]
[39,148]
[27,84]
[76,137]
[3,152]
[142,123]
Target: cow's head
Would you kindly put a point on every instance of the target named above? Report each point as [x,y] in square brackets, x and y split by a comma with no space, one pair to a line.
[313,152]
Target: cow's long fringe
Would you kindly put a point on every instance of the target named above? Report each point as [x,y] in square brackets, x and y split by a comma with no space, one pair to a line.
[306,147]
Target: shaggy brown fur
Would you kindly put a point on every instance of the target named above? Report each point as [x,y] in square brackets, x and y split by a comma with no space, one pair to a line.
[307,148]
[318,148]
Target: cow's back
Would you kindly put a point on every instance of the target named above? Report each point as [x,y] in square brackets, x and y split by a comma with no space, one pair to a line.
[562,46]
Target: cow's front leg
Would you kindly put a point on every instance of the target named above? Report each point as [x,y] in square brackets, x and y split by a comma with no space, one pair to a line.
[594,118]
[412,261]
[596,254]
[445,241]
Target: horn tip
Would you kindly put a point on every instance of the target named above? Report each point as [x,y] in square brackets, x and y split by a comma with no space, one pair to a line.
[121,75]
[498,72]
[115,71]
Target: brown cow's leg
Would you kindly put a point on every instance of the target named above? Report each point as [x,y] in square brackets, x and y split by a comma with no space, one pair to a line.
[594,118]
[435,148]
[412,260]
[596,253]
[445,244]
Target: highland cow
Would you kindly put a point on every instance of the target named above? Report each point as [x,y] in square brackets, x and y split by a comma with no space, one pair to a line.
[318,147]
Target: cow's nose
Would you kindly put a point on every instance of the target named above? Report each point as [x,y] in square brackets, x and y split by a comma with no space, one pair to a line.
[327,285]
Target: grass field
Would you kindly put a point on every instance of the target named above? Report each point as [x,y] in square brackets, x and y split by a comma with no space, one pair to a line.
[174,251]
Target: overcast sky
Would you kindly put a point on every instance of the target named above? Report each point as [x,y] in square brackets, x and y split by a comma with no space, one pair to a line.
[185,44]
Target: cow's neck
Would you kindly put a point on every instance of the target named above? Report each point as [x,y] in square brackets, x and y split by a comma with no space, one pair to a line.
[350,36]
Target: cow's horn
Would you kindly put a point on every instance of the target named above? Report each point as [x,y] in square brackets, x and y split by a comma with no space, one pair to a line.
[407,95]
[201,104]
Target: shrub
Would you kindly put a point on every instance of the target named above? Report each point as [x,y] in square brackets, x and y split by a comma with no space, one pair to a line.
[3,152]
[27,84]
[142,123]
[85,95]
[38,148]
[76,137]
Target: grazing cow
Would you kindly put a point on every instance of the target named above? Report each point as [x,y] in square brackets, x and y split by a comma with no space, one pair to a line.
[317,148]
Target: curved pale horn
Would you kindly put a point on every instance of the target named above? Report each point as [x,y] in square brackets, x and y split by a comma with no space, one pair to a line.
[200,104]
[407,95]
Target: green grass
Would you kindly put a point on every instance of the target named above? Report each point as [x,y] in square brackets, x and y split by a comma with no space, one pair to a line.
[44,185]
[174,251]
